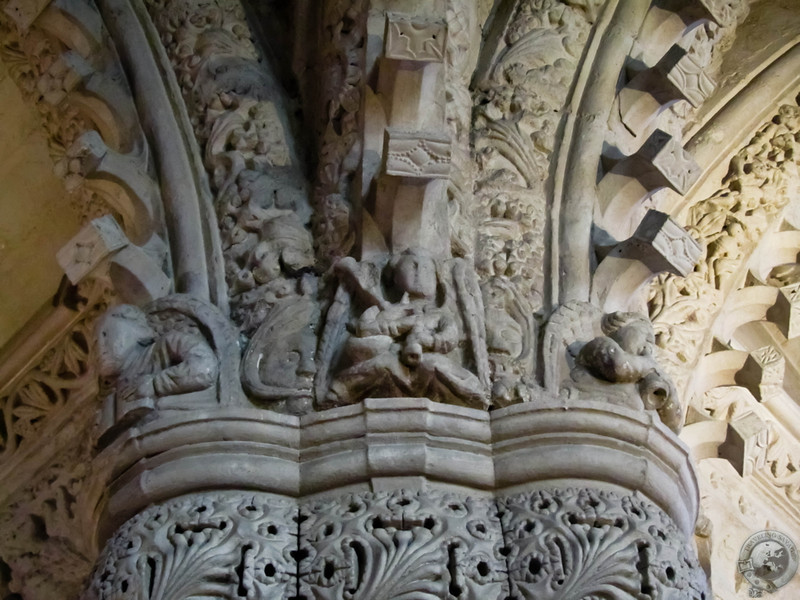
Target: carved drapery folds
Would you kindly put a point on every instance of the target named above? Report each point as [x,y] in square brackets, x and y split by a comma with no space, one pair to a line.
[177,353]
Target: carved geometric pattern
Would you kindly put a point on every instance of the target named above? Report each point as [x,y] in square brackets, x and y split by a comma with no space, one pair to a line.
[216,545]
[412,155]
[60,371]
[401,544]
[762,372]
[662,245]
[417,41]
[687,75]
[677,169]
[584,543]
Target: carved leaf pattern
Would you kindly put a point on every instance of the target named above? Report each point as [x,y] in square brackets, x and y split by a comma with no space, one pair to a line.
[222,545]
[571,544]
[403,545]
[517,107]
[48,526]
[63,370]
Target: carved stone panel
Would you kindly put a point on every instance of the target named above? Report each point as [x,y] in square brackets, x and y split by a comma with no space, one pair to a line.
[227,545]
[424,545]
[588,543]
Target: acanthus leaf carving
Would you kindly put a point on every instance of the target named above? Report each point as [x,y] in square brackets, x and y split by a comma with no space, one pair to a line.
[425,545]
[224,545]
[586,543]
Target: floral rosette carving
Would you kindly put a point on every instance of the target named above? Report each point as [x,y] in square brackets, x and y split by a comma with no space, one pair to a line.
[221,545]
[402,544]
[584,543]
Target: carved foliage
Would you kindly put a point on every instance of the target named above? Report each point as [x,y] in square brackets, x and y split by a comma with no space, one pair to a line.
[402,544]
[240,115]
[221,545]
[517,108]
[341,68]
[584,543]
[62,370]
[518,104]
[48,527]
[728,224]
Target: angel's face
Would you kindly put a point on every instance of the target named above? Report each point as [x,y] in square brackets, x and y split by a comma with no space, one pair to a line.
[416,275]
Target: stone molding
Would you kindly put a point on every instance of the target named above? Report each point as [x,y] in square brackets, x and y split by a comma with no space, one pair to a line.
[397,438]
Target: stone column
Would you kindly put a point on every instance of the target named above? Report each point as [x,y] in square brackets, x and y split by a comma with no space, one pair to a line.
[360,460]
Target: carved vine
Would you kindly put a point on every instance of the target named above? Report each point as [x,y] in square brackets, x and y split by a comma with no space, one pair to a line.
[48,527]
[518,105]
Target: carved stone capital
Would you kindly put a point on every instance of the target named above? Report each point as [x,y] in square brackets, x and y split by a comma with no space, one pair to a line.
[219,544]
[423,544]
[586,543]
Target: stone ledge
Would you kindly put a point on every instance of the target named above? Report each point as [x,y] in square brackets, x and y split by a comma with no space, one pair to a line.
[548,441]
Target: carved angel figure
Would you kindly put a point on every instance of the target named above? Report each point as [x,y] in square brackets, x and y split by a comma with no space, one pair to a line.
[137,365]
[404,346]
[625,355]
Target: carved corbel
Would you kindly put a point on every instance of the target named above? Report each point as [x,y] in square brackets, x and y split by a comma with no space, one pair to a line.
[667,22]
[102,251]
[747,437]
[411,196]
[785,313]
[411,73]
[762,373]
[119,180]
[659,245]
[677,76]
[660,162]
